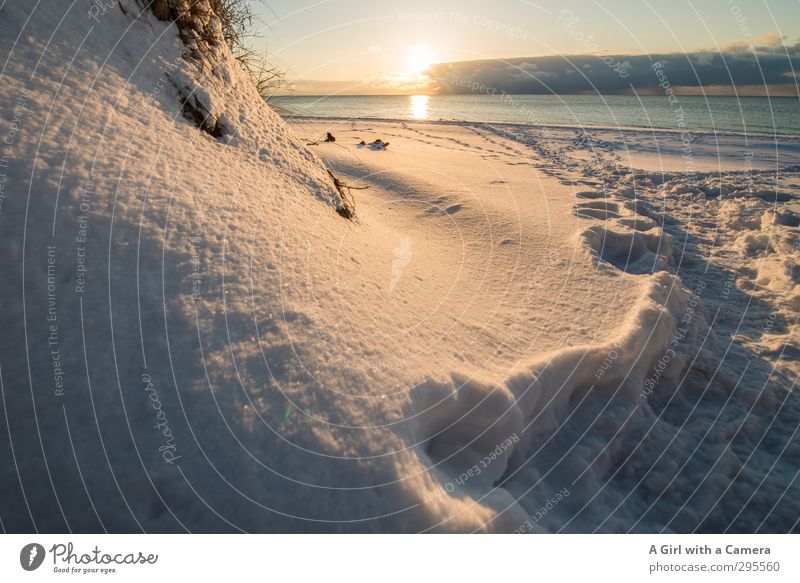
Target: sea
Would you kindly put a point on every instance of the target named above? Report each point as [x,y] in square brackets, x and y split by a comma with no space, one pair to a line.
[750,115]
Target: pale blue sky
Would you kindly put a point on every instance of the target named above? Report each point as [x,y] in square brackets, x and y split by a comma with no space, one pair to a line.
[386,43]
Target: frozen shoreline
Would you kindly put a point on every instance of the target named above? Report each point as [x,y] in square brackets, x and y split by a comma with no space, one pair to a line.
[299,118]
[653,149]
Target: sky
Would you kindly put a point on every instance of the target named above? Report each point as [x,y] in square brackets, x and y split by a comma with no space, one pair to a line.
[374,47]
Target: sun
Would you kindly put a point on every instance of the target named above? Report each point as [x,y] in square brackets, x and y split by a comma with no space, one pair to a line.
[412,75]
[419,58]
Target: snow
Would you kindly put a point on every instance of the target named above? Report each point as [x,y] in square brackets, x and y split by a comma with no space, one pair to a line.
[524,329]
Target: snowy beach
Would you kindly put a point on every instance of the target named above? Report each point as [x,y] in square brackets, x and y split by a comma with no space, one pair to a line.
[522,328]
[635,291]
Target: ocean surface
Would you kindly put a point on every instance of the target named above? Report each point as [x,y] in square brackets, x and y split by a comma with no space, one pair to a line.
[761,115]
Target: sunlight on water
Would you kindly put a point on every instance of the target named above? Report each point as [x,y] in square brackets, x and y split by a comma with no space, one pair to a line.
[712,113]
[419,106]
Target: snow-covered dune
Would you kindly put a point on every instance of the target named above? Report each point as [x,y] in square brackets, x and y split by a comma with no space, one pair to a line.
[515,332]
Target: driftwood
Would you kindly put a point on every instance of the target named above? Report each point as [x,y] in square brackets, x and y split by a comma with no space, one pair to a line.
[348,207]
[328,138]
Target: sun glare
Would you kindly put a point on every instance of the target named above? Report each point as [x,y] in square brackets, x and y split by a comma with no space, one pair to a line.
[419,58]
[419,106]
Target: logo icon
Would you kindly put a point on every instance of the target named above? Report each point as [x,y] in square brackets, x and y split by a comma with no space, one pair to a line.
[31,556]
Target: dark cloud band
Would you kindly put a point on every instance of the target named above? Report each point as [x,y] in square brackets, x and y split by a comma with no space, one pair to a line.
[619,73]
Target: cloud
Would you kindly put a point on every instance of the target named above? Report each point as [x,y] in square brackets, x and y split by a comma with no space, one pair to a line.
[703,59]
[769,62]
[766,43]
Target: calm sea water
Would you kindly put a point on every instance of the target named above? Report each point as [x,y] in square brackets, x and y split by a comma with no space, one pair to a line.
[762,115]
